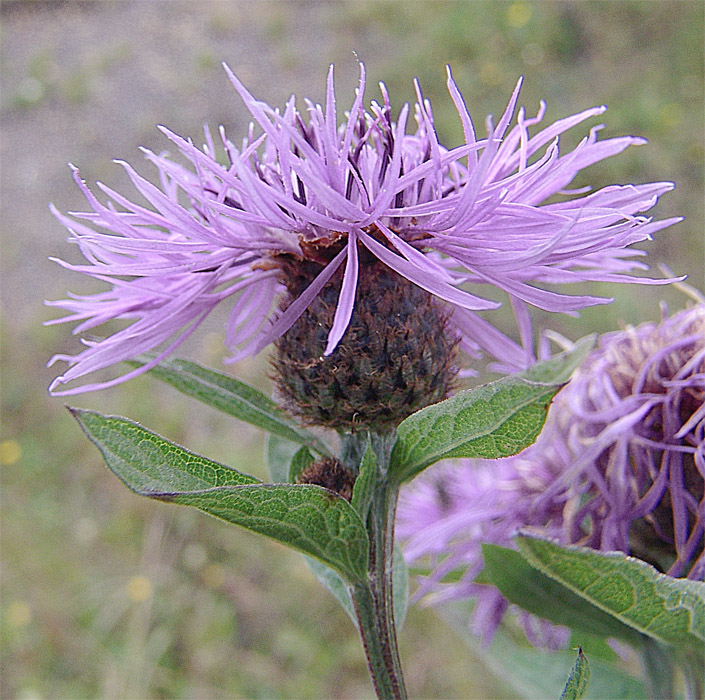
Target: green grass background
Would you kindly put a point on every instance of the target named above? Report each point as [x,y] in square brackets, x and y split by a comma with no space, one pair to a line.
[105,595]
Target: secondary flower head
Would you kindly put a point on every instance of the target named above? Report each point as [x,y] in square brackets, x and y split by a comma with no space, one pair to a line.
[620,465]
[312,202]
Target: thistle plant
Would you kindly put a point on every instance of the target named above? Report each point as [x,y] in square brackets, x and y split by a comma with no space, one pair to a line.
[358,248]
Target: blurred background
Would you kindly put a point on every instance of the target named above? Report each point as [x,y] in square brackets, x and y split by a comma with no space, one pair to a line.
[106,595]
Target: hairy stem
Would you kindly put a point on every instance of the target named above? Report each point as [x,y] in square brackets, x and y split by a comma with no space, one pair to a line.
[379,651]
[374,599]
[382,568]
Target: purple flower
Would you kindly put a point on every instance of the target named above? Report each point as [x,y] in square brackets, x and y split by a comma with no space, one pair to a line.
[491,211]
[620,465]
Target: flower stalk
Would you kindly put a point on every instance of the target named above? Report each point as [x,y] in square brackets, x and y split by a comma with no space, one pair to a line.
[374,599]
[380,648]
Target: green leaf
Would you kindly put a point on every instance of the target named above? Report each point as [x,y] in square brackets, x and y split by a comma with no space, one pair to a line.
[308,518]
[331,580]
[531,673]
[490,421]
[278,455]
[559,369]
[400,578]
[669,610]
[341,591]
[300,461]
[578,679]
[146,463]
[363,489]
[525,586]
[227,394]
[453,576]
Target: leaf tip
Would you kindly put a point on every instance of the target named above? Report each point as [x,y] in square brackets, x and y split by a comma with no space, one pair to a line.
[80,415]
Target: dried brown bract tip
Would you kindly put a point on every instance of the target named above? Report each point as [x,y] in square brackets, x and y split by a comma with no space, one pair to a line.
[331,474]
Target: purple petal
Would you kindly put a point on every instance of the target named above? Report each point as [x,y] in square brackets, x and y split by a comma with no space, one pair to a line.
[346,300]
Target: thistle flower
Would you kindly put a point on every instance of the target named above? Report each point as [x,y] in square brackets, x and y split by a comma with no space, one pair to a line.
[313,216]
[620,465]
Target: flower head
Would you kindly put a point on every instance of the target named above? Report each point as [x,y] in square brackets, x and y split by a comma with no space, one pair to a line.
[332,196]
[620,465]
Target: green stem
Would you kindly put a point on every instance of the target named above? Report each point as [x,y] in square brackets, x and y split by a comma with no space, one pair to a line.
[384,508]
[374,599]
[388,684]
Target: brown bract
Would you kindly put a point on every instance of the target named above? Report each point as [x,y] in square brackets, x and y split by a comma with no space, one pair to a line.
[331,474]
[396,356]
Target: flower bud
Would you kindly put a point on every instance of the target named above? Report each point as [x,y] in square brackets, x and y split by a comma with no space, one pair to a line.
[396,356]
[331,474]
